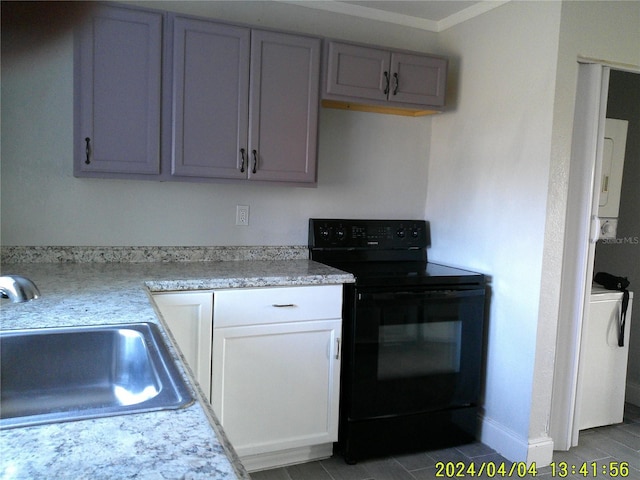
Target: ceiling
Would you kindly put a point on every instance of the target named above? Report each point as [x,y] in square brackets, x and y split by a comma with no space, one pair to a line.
[431,15]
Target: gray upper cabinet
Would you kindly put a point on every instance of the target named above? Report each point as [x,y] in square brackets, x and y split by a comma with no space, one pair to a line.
[210,99]
[245,103]
[283,107]
[361,74]
[118,70]
[166,97]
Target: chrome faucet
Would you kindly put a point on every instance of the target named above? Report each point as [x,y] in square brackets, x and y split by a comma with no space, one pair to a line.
[18,288]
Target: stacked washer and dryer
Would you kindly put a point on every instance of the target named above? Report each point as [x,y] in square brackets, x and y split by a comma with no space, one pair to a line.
[605,346]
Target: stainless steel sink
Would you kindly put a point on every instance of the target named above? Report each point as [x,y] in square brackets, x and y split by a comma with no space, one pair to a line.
[62,374]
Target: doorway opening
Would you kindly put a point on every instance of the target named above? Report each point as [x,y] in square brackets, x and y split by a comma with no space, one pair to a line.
[620,253]
[582,229]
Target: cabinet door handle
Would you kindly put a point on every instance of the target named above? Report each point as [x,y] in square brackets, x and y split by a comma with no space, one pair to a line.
[386,88]
[338,348]
[397,83]
[283,305]
[87,150]
[242,157]
[255,161]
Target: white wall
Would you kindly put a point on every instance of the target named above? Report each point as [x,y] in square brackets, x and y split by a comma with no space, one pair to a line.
[497,191]
[513,128]
[369,165]
[487,192]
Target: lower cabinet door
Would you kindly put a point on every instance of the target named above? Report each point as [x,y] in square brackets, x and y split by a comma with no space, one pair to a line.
[189,317]
[276,387]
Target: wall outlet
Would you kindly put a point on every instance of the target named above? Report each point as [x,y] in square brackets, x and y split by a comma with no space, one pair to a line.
[242,215]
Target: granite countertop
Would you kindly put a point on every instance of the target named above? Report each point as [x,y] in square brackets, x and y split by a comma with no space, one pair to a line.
[183,444]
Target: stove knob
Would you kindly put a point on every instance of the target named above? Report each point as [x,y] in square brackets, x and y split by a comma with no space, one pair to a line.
[324,233]
[415,233]
[340,233]
[401,233]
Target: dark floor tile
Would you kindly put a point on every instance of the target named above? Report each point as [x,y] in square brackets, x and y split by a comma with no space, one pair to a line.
[415,461]
[572,458]
[632,428]
[631,413]
[621,452]
[588,449]
[387,469]
[624,435]
[445,455]
[475,449]
[339,470]
[308,471]
[273,474]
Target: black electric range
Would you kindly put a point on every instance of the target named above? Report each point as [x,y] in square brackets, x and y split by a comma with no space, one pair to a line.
[412,338]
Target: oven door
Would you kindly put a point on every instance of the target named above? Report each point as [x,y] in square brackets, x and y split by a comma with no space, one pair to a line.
[414,350]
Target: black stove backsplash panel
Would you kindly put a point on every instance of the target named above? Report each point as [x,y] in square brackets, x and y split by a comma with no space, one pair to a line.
[368,234]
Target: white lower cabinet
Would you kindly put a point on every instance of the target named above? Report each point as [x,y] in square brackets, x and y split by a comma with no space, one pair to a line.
[276,370]
[189,317]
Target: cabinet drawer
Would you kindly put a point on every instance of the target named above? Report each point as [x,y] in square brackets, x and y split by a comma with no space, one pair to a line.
[256,306]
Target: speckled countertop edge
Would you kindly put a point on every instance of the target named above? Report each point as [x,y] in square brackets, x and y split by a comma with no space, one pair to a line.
[148,254]
[112,293]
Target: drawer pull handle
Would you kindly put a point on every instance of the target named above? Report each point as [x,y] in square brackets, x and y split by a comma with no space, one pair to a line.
[283,305]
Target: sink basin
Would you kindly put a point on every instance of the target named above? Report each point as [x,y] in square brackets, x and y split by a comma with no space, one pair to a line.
[62,374]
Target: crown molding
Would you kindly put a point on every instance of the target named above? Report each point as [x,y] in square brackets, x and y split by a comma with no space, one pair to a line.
[370,13]
[469,13]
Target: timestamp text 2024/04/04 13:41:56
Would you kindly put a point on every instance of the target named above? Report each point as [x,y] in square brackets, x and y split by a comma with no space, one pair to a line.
[523,470]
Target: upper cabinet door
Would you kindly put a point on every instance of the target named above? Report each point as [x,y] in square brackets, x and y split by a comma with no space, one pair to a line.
[417,79]
[357,71]
[118,93]
[210,99]
[283,107]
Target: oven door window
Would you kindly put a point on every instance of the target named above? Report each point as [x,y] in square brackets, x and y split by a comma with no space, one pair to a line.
[416,351]
[419,349]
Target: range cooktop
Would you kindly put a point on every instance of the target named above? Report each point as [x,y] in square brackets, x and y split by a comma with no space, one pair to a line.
[382,252]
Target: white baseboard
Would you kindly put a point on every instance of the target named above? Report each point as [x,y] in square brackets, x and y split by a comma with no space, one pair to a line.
[263,461]
[632,393]
[515,448]
[540,451]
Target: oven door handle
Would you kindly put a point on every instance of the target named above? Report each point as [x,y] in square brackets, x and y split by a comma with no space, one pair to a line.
[422,295]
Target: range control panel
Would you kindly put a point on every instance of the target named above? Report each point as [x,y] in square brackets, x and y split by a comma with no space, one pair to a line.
[374,234]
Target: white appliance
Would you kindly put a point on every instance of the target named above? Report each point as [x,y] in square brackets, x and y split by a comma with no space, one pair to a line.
[615,142]
[603,364]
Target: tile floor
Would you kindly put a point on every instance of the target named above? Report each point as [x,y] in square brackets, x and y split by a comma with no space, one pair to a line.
[616,443]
